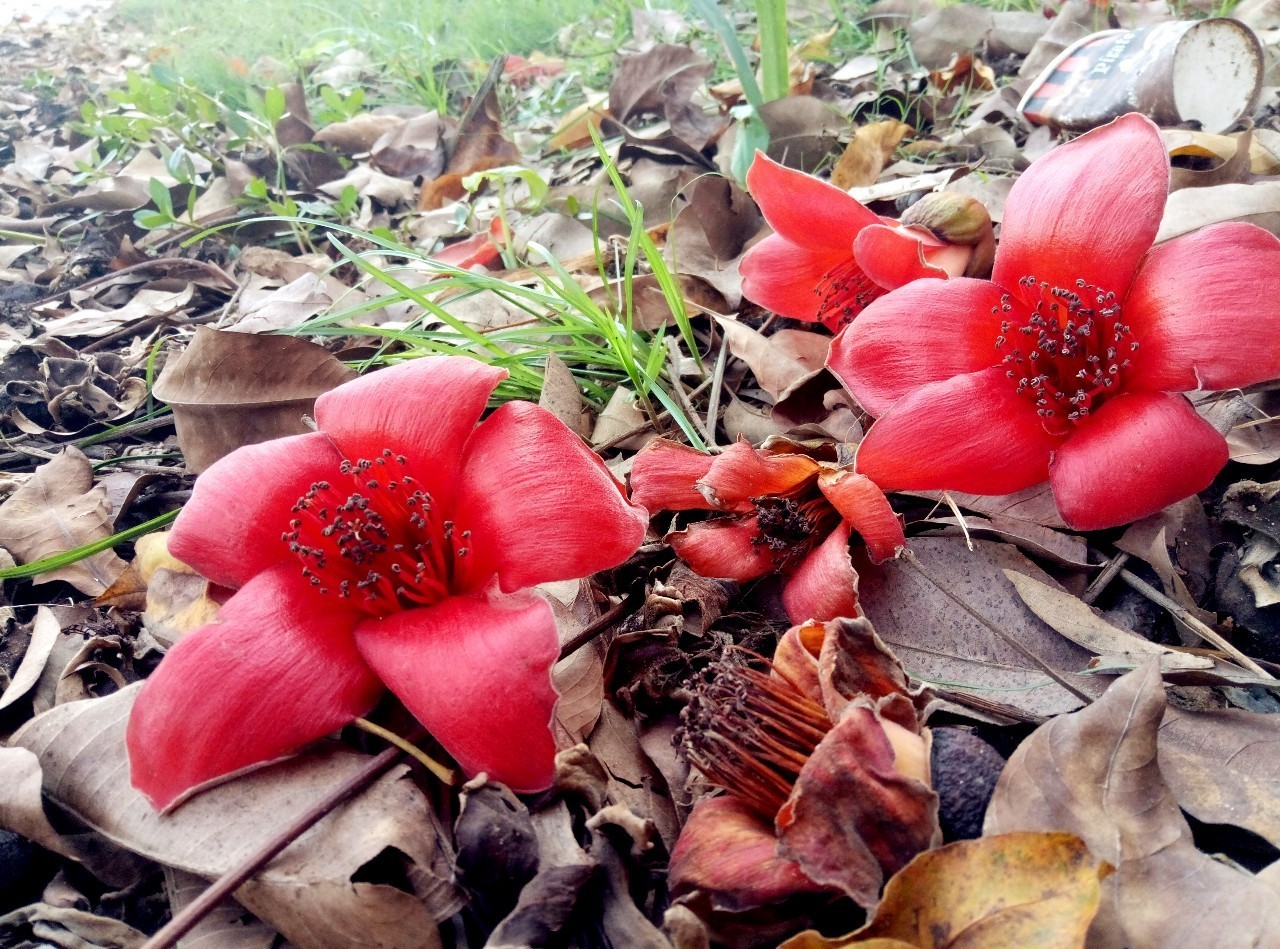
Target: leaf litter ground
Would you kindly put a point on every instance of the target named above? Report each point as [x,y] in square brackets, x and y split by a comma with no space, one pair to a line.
[1002,624]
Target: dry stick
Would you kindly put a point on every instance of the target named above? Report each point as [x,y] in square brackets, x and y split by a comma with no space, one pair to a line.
[1102,580]
[233,879]
[1054,674]
[713,398]
[1200,629]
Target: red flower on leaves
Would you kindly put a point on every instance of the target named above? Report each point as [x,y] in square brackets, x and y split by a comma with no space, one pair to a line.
[790,513]
[393,548]
[830,256]
[1067,364]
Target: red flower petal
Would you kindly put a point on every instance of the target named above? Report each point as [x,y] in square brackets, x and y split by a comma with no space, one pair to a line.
[783,276]
[970,433]
[825,585]
[476,672]
[921,333]
[540,505]
[664,477]
[1203,310]
[865,508]
[723,547]
[424,409]
[1135,456]
[806,210]
[277,670]
[1087,210]
[729,852]
[741,473]
[231,527]
[894,256]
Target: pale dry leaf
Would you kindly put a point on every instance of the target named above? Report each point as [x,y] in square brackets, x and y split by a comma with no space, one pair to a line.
[21,803]
[775,370]
[227,926]
[44,634]
[562,397]
[57,510]
[1077,621]
[309,893]
[1191,208]
[1034,505]
[1095,773]
[867,153]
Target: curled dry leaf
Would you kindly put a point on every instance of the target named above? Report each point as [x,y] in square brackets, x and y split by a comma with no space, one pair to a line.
[867,153]
[233,389]
[1095,773]
[1029,890]
[44,634]
[57,510]
[318,892]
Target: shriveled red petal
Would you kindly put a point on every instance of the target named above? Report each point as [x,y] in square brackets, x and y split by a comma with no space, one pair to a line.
[1087,210]
[894,256]
[921,333]
[970,433]
[784,277]
[665,474]
[729,853]
[741,473]
[476,672]
[277,670]
[1203,310]
[825,585]
[865,508]
[723,547]
[231,527]
[796,658]
[806,210]
[424,409]
[1135,456]
[853,820]
[540,505]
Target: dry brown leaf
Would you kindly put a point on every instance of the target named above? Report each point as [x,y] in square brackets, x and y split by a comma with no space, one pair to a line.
[710,234]
[21,805]
[1035,505]
[867,153]
[1070,550]
[775,370]
[937,641]
[477,145]
[308,893]
[1095,773]
[648,81]
[562,397]
[227,926]
[233,389]
[1024,890]
[1224,767]
[574,129]
[358,133]
[57,510]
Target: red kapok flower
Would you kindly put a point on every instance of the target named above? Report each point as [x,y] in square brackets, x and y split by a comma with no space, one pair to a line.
[393,548]
[1066,364]
[829,256]
[790,513]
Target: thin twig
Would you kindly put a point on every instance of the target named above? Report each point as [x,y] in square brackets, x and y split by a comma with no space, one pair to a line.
[677,388]
[233,879]
[1102,580]
[1054,674]
[713,399]
[605,620]
[1206,633]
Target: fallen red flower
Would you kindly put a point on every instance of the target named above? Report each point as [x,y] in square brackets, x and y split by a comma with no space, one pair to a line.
[828,786]
[790,513]
[830,256]
[407,568]
[1067,364]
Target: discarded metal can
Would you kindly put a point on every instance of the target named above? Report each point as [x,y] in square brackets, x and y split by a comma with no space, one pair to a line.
[1204,71]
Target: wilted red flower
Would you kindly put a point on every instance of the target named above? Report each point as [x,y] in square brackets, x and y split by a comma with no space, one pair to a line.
[1066,364]
[790,513]
[830,256]
[827,791]
[393,548]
